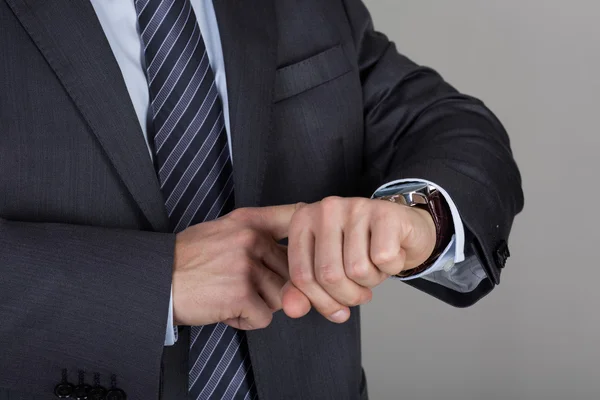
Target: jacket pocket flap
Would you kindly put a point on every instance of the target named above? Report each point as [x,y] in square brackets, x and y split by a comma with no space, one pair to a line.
[311,72]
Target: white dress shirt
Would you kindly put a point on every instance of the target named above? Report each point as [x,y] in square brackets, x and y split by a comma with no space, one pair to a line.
[119,22]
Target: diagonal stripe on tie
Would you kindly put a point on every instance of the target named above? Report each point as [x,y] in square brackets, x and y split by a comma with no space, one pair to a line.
[194,169]
[167,45]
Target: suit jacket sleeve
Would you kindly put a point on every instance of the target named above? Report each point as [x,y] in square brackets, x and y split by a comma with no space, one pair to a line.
[418,126]
[79,298]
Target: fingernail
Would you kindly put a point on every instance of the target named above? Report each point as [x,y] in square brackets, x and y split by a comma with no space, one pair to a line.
[339,316]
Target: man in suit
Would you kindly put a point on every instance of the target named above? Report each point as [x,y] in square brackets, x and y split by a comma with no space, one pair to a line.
[176,172]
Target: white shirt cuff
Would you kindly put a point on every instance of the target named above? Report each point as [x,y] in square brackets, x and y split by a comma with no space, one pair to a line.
[171,335]
[455,251]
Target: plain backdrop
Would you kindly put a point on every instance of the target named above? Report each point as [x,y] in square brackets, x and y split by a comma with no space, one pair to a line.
[536,64]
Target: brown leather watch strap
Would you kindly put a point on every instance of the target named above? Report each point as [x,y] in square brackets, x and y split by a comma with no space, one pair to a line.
[444,226]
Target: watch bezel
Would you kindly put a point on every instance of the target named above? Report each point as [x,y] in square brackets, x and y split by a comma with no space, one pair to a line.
[416,194]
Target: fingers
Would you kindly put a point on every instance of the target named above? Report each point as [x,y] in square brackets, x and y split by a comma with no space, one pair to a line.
[338,250]
[301,258]
[329,265]
[357,261]
[295,303]
[385,250]
[276,259]
[258,299]
[259,246]
[274,219]
[268,285]
[255,314]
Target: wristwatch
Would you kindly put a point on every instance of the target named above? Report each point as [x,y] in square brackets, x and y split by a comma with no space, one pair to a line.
[427,197]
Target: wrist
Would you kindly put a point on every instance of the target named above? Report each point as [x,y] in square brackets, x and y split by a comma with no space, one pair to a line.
[426,236]
[428,203]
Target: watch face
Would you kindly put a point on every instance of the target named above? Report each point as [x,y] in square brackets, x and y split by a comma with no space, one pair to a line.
[404,187]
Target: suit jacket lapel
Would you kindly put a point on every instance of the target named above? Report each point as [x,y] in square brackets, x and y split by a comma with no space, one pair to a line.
[249,39]
[71,39]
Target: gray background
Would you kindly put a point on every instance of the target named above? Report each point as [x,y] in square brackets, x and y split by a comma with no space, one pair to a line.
[536,63]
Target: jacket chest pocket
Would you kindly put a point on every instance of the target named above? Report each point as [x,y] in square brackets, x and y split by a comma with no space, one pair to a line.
[314,71]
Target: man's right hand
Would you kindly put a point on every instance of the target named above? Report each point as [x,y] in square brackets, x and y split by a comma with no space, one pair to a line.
[232,269]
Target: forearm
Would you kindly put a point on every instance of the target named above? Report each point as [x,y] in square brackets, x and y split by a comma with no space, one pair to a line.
[458,144]
[467,154]
[419,126]
[82,298]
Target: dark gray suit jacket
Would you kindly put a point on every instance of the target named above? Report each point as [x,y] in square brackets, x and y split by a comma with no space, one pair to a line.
[320,104]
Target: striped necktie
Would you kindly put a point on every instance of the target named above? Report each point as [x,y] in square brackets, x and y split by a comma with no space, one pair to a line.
[194,169]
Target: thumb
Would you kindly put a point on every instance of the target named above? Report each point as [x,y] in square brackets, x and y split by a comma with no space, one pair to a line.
[294,303]
[276,219]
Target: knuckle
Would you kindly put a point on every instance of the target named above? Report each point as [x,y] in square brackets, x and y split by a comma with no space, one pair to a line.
[380,218]
[300,277]
[329,275]
[247,237]
[359,205]
[239,214]
[357,270]
[246,215]
[330,203]
[354,299]
[383,256]
[366,297]
[298,206]
[299,218]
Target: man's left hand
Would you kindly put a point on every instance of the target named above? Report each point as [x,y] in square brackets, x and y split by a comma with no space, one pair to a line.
[341,248]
